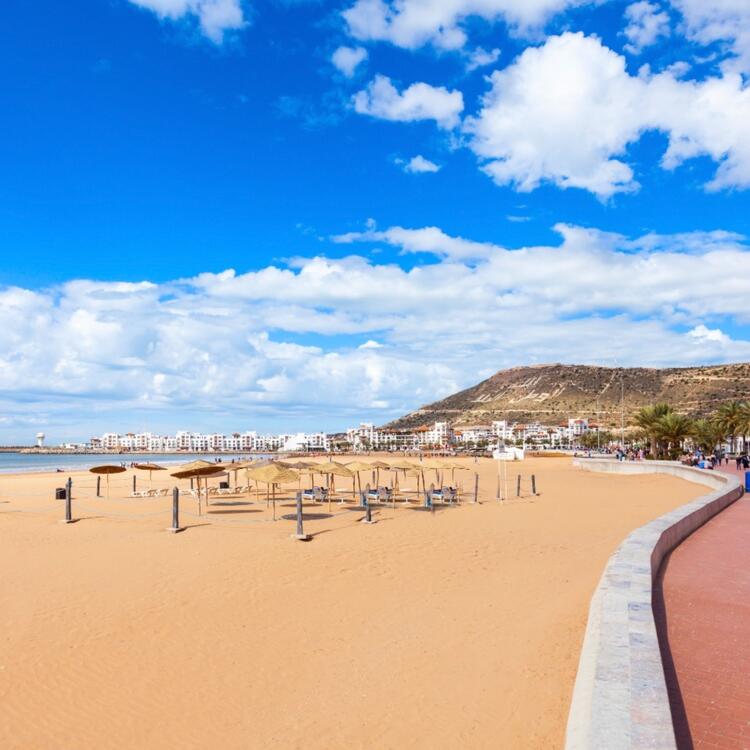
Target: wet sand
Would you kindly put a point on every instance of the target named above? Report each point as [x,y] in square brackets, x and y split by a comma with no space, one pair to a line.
[458,628]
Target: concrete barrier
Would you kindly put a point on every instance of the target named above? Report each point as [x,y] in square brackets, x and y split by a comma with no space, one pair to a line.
[620,699]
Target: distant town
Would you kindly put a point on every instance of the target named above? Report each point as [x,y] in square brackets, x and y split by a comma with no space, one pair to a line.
[441,436]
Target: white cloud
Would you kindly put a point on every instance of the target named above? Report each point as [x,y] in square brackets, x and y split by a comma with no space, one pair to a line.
[418,164]
[647,23]
[330,341]
[567,111]
[420,101]
[480,58]
[215,17]
[348,59]
[703,333]
[413,23]
[425,240]
[728,21]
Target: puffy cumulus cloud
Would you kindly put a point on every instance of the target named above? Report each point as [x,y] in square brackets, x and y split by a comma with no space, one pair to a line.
[413,23]
[723,21]
[420,101]
[328,341]
[418,164]
[566,112]
[215,17]
[647,23]
[348,59]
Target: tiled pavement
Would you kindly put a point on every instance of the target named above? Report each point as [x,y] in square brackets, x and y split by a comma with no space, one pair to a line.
[705,591]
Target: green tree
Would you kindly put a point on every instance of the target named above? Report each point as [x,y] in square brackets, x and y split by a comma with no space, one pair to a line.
[731,417]
[673,429]
[744,424]
[591,440]
[648,419]
[708,434]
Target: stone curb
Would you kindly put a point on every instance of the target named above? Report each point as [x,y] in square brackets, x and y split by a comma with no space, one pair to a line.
[620,699]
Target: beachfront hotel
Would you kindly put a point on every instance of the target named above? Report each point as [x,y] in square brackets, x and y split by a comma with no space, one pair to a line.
[365,437]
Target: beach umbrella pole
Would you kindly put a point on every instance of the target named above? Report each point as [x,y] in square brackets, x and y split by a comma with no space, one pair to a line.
[98,486]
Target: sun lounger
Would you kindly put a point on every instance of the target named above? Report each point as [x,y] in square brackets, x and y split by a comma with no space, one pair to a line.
[445,494]
[320,494]
[381,494]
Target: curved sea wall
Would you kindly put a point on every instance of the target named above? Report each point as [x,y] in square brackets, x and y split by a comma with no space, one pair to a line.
[620,699]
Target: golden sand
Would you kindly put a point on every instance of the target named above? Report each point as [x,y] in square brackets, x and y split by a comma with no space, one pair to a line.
[454,629]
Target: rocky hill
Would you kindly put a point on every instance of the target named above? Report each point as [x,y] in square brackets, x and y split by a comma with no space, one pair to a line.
[553,393]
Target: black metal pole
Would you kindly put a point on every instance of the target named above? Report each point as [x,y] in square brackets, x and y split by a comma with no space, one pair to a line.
[533,484]
[476,487]
[133,482]
[518,486]
[98,485]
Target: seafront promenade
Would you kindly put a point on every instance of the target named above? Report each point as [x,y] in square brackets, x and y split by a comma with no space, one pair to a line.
[702,604]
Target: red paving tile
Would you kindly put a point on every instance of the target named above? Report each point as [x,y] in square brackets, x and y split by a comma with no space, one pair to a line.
[702,606]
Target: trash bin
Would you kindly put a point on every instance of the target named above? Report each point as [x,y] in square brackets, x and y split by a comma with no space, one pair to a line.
[747,481]
[60,493]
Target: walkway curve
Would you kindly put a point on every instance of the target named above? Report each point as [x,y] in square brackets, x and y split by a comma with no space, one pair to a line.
[620,700]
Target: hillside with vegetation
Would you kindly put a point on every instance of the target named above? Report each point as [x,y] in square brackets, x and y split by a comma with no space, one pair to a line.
[551,394]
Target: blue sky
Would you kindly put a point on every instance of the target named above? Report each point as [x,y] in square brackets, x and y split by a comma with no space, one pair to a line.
[218,214]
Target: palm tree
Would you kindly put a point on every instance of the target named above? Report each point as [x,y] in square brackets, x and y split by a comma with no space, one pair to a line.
[674,429]
[731,417]
[744,425]
[708,434]
[648,418]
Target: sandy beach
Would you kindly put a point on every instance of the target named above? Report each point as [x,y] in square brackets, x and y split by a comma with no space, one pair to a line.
[458,628]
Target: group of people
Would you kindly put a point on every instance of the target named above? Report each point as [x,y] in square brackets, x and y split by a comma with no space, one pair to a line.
[711,461]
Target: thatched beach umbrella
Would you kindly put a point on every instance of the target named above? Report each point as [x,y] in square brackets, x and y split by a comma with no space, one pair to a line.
[149,468]
[453,466]
[395,467]
[333,469]
[437,466]
[236,467]
[357,467]
[196,470]
[274,474]
[378,465]
[107,469]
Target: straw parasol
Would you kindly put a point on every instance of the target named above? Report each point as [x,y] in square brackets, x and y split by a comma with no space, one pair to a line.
[378,465]
[149,468]
[437,466]
[408,468]
[271,475]
[107,469]
[357,467]
[196,470]
[453,465]
[333,469]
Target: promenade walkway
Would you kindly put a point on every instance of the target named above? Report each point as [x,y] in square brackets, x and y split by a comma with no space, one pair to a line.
[702,602]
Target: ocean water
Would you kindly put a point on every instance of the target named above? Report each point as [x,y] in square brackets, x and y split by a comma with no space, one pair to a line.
[25,462]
